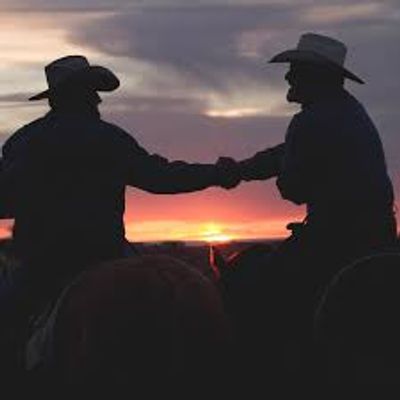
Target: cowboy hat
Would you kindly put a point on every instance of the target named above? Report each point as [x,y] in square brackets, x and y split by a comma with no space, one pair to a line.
[77,70]
[318,49]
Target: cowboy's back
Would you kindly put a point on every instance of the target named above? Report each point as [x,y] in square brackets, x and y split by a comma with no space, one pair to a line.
[69,184]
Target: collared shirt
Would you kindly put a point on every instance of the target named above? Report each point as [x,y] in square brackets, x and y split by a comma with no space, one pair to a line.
[67,175]
[334,163]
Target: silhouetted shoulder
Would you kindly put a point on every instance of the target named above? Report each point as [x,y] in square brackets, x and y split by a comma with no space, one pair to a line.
[314,115]
[119,135]
[304,126]
[341,116]
[22,136]
[336,111]
[301,118]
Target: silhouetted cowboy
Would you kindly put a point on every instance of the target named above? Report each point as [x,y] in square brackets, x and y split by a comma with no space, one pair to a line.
[333,162]
[67,172]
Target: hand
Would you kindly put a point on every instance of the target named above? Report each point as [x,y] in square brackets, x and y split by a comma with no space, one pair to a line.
[228,172]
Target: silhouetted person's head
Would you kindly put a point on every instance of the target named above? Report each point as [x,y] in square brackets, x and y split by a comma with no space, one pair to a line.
[316,68]
[308,81]
[75,98]
[73,84]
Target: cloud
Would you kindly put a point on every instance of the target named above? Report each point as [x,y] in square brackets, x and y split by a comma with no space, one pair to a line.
[328,14]
[224,49]
[14,98]
[202,43]
[151,104]
[62,5]
[185,133]
[217,53]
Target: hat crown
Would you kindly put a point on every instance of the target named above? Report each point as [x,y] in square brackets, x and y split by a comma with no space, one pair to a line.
[59,70]
[325,46]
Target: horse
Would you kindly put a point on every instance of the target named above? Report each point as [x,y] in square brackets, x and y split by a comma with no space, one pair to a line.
[147,323]
[272,308]
[357,323]
[237,277]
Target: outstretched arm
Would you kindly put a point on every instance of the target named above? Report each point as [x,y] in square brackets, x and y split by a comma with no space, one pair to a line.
[263,165]
[156,174]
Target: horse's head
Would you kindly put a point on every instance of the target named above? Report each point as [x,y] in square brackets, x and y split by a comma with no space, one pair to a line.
[240,263]
[142,321]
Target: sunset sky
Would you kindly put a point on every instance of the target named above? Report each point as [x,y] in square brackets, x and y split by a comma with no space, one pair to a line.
[196,85]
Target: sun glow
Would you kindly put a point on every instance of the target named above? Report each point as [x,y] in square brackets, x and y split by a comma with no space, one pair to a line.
[206,231]
[213,233]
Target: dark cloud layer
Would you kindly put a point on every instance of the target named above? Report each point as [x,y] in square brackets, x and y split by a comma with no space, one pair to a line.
[62,5]
[203,42]
[15,98]
[198,42]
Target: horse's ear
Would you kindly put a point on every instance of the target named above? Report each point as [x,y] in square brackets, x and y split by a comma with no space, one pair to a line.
[217,262]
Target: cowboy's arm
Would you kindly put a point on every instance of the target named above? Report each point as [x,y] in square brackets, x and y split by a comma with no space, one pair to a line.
[156,174]
[263,165]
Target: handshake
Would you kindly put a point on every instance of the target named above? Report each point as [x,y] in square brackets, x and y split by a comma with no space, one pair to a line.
[263,165]
[228,172]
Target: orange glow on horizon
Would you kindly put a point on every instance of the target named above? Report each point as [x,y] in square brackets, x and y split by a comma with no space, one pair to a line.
[213,233]
[218,239]
[205,231]
[196,231]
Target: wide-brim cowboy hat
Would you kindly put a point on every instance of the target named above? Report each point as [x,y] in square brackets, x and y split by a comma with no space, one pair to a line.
[321,50]
[76,70]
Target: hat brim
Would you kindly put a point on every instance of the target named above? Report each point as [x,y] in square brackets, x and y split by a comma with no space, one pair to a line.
[95,77]
[315,58]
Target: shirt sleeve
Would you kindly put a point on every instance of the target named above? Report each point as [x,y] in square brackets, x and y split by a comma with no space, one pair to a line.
[156,174]
[263,165]
[298,178]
